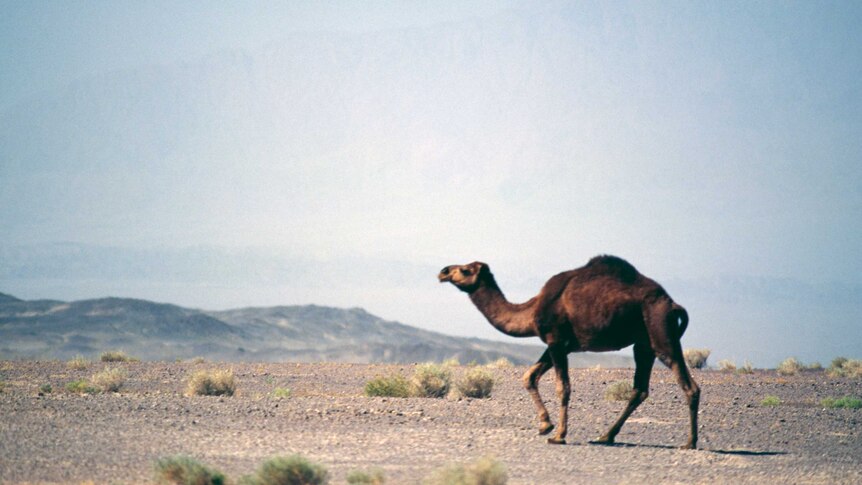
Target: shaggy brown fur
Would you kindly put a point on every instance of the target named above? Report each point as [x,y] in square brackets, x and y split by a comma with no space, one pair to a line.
[605,305]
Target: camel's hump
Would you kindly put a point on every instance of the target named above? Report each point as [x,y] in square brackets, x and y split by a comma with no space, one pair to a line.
[615,265]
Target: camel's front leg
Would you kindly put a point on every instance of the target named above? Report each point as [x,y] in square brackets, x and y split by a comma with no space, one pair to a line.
[531,383]
[560,359]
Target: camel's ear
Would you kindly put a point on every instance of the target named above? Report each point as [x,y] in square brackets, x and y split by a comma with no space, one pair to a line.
[480,268]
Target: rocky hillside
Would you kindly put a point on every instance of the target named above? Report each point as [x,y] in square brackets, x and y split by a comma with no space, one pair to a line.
[49,329]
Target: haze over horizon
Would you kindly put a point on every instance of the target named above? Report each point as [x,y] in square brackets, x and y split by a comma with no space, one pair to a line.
[341,153]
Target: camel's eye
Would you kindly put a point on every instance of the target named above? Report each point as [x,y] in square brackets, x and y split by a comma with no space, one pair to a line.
[466,272]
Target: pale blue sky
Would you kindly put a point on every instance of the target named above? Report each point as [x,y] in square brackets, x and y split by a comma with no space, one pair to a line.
[716,145]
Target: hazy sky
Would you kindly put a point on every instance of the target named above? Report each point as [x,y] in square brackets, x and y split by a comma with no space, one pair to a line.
[714,145]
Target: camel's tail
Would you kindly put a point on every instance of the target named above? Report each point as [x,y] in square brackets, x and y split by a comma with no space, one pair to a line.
[678,314]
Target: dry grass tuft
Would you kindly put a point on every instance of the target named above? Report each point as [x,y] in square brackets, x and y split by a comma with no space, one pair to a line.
[78,363]
[484,471]
[844,367]
[110,380]
[745,368]
[619,391]
[501,363]
[696,358]
[476,382]
[116,356]
[430,380]
[211,383]
[183,470]
[789,366]
[726,365]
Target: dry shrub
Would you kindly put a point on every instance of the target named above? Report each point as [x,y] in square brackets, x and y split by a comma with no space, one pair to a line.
[696,358]
[476,382]
[501,363]
[619,391]
[430,380]
[116,356]
[394,386]
[451,362]
[372,477]
[726,365]
[182,470]
[78,363]
[484,471]
[211,383]
[789,366]
[844,367]
[110,380]
[290,470]
[745,368]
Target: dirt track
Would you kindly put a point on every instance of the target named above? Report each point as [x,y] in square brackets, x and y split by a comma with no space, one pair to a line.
[115,438]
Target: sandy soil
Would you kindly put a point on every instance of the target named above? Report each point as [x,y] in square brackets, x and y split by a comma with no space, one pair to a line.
[61,437]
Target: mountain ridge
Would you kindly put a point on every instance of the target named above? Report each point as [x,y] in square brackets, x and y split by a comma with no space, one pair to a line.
[305,333]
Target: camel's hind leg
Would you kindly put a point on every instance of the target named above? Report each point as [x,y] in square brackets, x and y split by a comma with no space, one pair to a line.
[531,382]
[560,359]
[644,359]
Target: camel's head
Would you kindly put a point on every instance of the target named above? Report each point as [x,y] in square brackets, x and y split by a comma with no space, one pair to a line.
[466,277]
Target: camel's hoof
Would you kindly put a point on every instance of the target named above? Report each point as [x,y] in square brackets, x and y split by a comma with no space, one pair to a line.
[688,446]
[556,441]
[545,428]
[604,440]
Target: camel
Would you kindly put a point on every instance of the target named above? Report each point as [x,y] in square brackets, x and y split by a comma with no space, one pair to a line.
[605,305]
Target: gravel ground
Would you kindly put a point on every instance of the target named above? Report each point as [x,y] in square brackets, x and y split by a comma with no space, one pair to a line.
[62,437]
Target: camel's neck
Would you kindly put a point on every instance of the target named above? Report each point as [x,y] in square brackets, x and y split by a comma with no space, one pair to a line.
[512,319]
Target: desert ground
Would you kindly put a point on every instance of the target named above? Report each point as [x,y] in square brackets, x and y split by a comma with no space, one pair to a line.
[65,437]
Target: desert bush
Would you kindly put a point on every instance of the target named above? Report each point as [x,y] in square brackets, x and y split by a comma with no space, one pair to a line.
[770,401]
[814,366]
[789,366]
[619,391]
[430,380]
[78,363]
[211,383]
[182,470]
[290,470]
[394,386]
[116,356]
[484,471]
[501,363]
[696,358]
[476,382]
[81,386]
[110,380]
[745,368]
[281,392]
[46,388]
[844,367]
[847,402]
[372,477]
[451,362]
[726,365]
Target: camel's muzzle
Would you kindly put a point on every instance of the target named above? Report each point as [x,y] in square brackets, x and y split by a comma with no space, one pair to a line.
[444,275]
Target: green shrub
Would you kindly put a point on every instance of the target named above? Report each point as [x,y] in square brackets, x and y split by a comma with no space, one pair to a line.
[844,367]
[485,471]
[726,365]
[789,366]
[182,470]
[696,358]
[81,386]
[116,356]
[770,401]
[46,388]
[395,386]
[281,392]
[430,380]
[619,391]
[290,470]
[211,383]
[78,363]
[476,382]
[372,477]
[847,402]
[110,380]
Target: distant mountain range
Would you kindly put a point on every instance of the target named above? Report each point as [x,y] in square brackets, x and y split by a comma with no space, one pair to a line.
[50,329]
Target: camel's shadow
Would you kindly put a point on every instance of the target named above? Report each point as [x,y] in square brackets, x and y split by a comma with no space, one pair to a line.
[619,444]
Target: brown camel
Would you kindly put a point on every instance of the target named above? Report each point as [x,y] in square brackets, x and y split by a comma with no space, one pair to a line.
[605,305]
